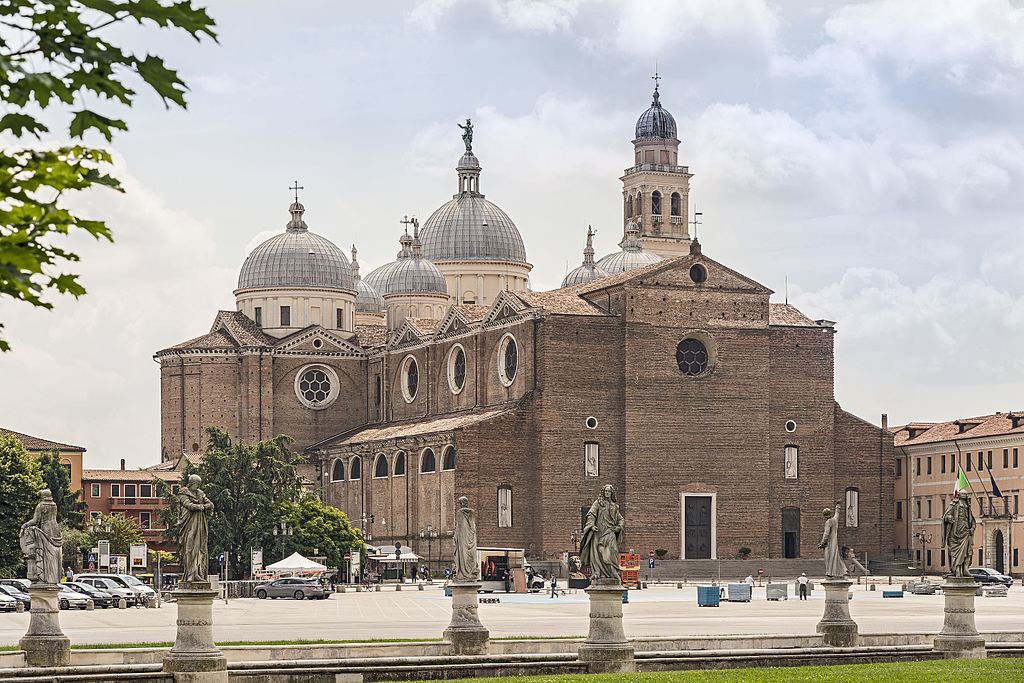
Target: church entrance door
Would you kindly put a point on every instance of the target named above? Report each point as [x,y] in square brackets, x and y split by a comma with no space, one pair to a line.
[791,532]
[697,527]
[999,552]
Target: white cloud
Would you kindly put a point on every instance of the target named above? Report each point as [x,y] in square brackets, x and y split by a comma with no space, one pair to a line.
[544,16]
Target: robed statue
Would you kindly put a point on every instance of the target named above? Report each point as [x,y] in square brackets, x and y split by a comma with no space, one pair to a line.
[958,534]
[41,540]
[194,510]
[834,566]
[467,569]
[601,537]
[467,134]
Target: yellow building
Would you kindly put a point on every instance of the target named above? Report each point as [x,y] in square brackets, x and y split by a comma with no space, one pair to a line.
[70,456]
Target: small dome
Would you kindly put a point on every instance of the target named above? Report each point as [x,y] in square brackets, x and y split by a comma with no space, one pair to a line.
[632,254]
[296,258]
[368,299]
[584,273]
[468,161]
[408,275]
[656,123]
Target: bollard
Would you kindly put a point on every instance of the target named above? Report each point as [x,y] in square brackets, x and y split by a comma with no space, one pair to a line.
[122,604]
[376,588]
[359,589]
[679,585]
[890,580]
[341,589]
[398,586]
[872,586]
[420,586]
[89,604]
[151,602]
[20,607]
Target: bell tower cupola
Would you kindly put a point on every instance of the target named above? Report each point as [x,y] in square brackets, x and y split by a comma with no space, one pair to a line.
[656,189]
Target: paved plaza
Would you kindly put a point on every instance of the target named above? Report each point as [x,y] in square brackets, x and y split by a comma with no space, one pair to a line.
[658,611]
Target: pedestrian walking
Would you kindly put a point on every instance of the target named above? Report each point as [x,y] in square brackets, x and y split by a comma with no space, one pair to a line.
[69,575]
[749,580]
[508,580]
[554,586]
[803,585]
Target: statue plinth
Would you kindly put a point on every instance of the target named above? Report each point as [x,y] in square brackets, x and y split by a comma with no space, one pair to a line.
[194,657]
[465,632]
[606,649]
[44,643]
[959,636]
[836,627]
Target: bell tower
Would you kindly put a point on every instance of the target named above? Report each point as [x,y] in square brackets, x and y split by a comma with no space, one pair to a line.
[656,189]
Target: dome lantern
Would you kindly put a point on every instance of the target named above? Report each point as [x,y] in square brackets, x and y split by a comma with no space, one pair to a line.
[589,270]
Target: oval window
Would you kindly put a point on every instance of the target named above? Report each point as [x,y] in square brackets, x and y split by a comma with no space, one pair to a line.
[698,273]
[457,369]
[410,379]
[508,359]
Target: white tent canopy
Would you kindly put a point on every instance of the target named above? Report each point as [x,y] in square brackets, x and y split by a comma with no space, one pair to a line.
[407,557]
[296,563]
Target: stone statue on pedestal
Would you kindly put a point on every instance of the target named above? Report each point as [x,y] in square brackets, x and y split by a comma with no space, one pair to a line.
[601,537]
[194,510]
[958,534]
[467,569]
[41,542]
[834,566]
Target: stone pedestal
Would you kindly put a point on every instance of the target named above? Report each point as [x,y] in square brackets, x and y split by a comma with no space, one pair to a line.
[194,657]
[465,632]
[44,643]
[836,627]
[959,636]
[606,649]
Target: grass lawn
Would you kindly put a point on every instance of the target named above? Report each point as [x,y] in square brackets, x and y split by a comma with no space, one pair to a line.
[1003,670]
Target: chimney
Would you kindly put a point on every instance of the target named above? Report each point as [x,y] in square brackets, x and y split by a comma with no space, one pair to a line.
[885,422]
[122,464]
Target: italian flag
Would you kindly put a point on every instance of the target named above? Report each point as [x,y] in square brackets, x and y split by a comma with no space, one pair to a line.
[961,482]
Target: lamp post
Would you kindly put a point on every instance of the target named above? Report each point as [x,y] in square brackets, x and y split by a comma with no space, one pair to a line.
[574,538]
[429,534]
[925,537]
[285,531]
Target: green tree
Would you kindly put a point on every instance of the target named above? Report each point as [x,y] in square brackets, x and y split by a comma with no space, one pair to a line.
[249,484]
[74,541]
[20,484]
[60,60]
[70,507]
[320,527]
[121,531]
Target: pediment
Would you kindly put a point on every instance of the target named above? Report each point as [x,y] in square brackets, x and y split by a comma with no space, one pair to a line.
[505,307]
[453,325]
[317,340]
[405,336]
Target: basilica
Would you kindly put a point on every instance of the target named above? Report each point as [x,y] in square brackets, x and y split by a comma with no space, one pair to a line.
[655,368]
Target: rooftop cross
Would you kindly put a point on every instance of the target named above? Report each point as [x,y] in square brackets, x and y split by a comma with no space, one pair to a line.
[406,221]
[295,188]
[697,215]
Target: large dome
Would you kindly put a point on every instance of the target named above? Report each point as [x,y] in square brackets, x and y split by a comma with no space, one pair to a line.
[656,123]
[469,227]
[296,258]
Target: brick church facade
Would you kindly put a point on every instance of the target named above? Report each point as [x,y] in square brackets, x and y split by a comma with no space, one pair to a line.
[661,371]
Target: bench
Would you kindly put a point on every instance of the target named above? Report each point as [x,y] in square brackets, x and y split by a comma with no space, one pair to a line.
[892,594]
[490,601]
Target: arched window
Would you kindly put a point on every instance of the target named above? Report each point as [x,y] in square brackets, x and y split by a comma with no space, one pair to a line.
[448,461]
[338,470]
[400,464]
[380,468]
[428,463]
[355,470]
[677,204]
[629,206]
[656,203]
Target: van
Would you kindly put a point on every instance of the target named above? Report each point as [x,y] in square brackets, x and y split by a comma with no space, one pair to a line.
[141,592]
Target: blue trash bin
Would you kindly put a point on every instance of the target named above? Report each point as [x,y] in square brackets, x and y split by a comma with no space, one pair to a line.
[707,596]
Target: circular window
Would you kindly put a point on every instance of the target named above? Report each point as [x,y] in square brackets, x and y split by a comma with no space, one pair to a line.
[591,422]
[457,369]
[318,343]
[508,359]
[692,357]
[316,386]
[698,273]
[410,379]
[790,426]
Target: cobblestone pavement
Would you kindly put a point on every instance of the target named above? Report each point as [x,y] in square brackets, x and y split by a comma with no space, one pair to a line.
[659,611]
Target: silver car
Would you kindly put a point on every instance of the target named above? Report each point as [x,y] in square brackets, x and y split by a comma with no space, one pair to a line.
[67,598]
[291,587]
[7,603]
[110,586]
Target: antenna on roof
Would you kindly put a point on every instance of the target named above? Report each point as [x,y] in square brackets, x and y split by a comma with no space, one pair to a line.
[697,215]
[787,289]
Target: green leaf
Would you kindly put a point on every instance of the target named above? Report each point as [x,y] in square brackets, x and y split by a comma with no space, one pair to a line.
[84,120]
[18,124]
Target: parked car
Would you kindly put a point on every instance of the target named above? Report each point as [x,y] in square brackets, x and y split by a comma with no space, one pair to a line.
[67,598]
[20,584]
[19,595]
[100,598]
[984,575]
[292,587]
[140,591]
[7,603]
[110,586]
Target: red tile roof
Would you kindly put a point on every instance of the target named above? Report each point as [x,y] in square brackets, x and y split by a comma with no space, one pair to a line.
[412,428]
[129,475]
[998,424]
[35,443]
[371,336]
[564,301]
[786,315]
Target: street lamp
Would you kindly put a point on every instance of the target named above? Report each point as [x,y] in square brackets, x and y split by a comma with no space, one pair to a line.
[430,533]
[925,537]
[286,530]
[574,538]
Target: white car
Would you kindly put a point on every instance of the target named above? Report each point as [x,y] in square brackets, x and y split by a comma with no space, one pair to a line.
[140,592]
[7,603]
[67,598]
[108,585]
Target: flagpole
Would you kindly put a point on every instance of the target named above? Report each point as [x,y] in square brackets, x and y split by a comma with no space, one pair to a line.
[960,468]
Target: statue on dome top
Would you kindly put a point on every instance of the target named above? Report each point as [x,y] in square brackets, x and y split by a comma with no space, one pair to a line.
[467,134]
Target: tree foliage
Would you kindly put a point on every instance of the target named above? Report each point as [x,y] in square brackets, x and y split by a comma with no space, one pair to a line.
[321,528]
[122,533]
[71,508]
[249,485]
[20,484]
[60,60]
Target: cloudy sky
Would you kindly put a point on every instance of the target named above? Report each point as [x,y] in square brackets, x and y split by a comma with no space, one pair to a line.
[871,153]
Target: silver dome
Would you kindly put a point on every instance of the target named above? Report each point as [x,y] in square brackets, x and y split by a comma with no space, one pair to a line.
[411,273]
[296,258]
[632,254]
[584,273]
[368,299]
[469,227]
[656,123]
